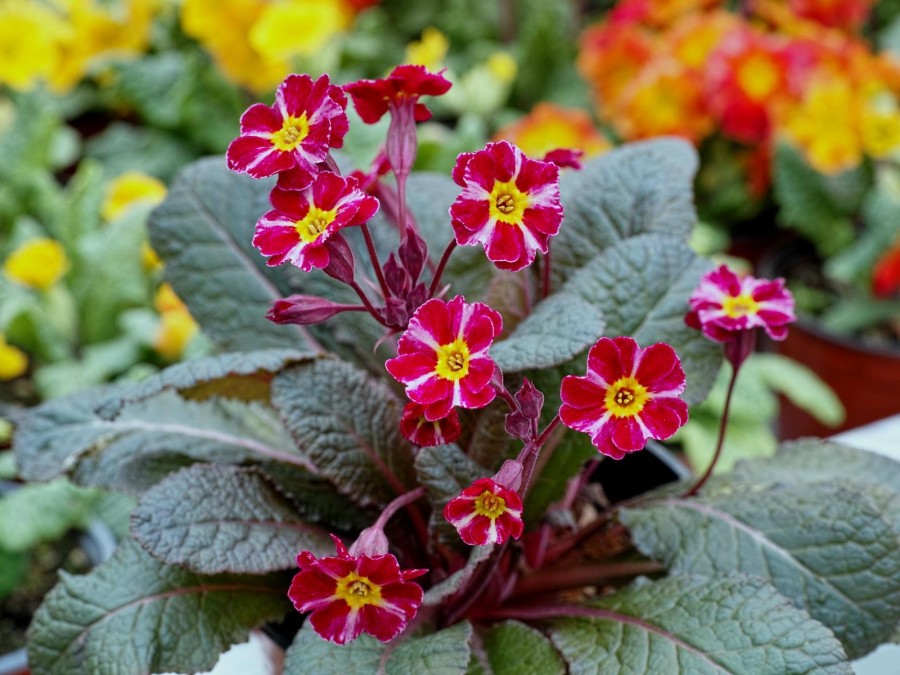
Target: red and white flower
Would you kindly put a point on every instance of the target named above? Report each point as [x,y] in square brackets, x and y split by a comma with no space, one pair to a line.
[509,204]
[301,221]
[406,83]
[426,433]
[349,595]
[486,513]
[443,356]
[308,118]
[724,305]
[628,395]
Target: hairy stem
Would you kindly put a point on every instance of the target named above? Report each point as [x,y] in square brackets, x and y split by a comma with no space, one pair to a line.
[439,272]
[373,255]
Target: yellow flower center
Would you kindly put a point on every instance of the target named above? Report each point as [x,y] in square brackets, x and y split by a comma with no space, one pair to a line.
[314,224]
[758,76]
[489,505]
[292,133]
[736,306]
[626,397]
[453,360]
[508,203]
[358,591]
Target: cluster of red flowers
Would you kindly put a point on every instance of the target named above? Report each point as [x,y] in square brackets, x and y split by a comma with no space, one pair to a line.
[509,204]
[799,70]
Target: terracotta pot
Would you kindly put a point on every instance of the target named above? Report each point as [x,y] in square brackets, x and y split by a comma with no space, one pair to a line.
[866,379]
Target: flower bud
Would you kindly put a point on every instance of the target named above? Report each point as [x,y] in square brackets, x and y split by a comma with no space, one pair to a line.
[303,309]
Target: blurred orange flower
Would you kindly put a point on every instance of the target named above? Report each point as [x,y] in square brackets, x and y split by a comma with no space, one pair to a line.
[549,126]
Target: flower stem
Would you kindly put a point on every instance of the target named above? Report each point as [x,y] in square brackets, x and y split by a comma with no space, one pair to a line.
[530,453]
[545,290]
[398,503]
[439,272]
[373,255]
[368,304]
[568,576]
[723,425]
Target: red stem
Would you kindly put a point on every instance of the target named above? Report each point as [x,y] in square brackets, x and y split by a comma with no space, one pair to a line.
[439,272]
[568,576]
[545,290]
[368,304]
[373,255]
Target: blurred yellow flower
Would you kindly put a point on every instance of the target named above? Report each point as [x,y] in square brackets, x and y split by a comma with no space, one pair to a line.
[880,130]
[502,66]
[29,43]
[298,27]
[549,126]
[176,325]
[149,258]
[38,263]
[131,188]
[13,361]
[430,51]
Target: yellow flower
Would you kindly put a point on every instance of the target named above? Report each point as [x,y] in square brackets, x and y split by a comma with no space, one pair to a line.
[430,51]
[502,66]
[129,189]
[149,258]
[38,263]
[298,27]
[13,361]
[880,128]
[29,43]
[176,325]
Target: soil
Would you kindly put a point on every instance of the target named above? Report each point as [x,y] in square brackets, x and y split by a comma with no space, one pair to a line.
[17,608]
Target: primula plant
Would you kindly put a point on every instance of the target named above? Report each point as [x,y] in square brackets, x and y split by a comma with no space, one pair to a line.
[421,382]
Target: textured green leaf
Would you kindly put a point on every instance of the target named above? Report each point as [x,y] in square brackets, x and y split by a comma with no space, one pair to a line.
[514,648]
[38,512]
[193,520]
[349,426]
[203,232]
[443,653]
[635,189]
[244,375]
[813,460]
[146,439]
[560,327]
[445,471]
[135,615]
[736,625]
[640,287]
[802,386]
[825,546]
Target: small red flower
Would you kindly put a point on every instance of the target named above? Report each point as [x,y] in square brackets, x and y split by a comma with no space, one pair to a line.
[426,433]
[509,204]
[302,221]
[486,513]
[723,305]
[373,98]
[628,395]
[443,356]
[349,595]
[886,274]
[307,119]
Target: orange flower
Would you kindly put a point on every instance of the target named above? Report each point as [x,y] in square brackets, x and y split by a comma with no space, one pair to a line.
[611,57]
[846,15]
[747,75]
[549,126]
[694,37]
[665,99]
[659,13]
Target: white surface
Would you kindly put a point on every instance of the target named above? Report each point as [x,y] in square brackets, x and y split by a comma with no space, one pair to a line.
[883,438]
[258,656]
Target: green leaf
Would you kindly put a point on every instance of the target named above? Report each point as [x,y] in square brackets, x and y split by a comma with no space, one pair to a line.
[203,232]
[39,512]
[733,624]
[635,189]
[138,443]
[816,205]
[561,327]
[443,653]
[133,614]
[14,568]
[445,471]
[640,287]
[825,546]
[349,426]
[514,648]
[125,147]
[192,519]
[802,386]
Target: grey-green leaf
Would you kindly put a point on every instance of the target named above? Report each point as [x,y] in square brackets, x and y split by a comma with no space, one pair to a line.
[203,231]
[514,648]
[826,546]
[639,286]
[192,519]
[349,426]
[733,624]
[635,189]
[443,653]
[561,327]
[135,615]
